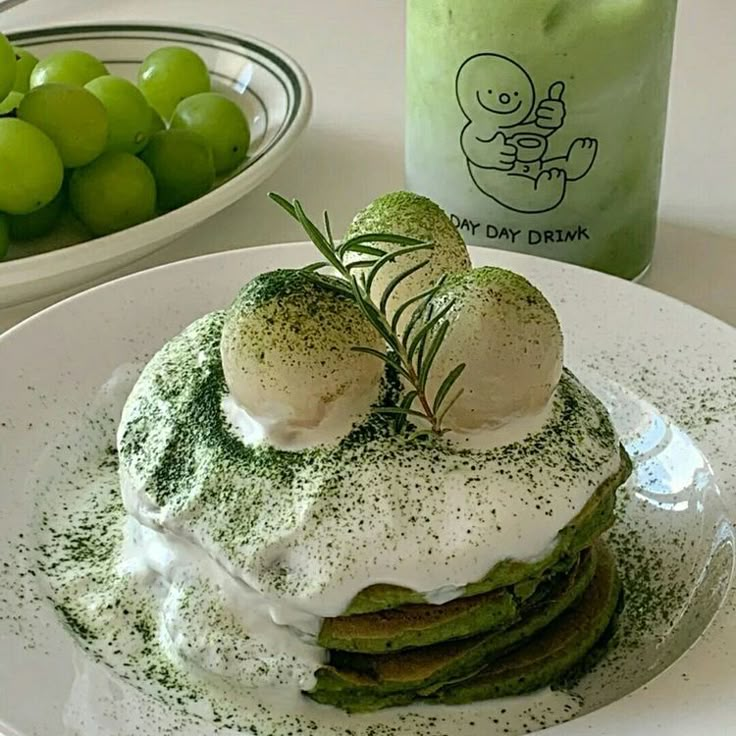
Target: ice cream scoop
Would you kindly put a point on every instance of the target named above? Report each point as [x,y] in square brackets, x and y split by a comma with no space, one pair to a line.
[409,214]
[287,355]
[508,335]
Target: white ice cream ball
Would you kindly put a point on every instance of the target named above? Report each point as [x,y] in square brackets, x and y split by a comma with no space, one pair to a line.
[414,216]
[507,333]
[287,353]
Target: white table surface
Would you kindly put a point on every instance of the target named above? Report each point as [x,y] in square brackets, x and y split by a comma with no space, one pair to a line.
[353,52]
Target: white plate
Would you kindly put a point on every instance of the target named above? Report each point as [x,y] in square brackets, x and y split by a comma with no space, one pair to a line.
[632,345]
[270,87]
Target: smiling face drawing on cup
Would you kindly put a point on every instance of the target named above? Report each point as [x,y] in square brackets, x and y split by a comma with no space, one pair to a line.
[507,135]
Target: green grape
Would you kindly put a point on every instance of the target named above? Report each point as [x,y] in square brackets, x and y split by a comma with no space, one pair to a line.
[157,123]
[7,67]
[4,236]
[171,74]
[115,191]
[67,67]
[10,104]
[220,122]
[74,119]
[34,165]
[128,113]
[38,223]
[25,64]
[182,165]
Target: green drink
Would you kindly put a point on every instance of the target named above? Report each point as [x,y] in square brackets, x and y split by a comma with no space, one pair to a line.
[539,124]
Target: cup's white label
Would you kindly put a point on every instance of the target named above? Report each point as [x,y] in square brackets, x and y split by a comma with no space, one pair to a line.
[509,137]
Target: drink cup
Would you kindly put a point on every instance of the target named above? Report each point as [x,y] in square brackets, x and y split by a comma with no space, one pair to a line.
[539,124]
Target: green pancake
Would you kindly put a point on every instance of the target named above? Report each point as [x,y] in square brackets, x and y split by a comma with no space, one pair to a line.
[420,668]
[548,656]
[421,625]
[555,634]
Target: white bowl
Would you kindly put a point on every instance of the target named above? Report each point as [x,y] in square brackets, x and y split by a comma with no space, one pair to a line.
[270,87]
[665,371]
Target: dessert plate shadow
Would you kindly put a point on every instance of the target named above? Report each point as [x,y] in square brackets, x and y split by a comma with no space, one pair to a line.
[666,372]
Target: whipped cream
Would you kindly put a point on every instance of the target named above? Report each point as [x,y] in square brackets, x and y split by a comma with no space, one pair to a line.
[337,420]
[218,624]
[313,528]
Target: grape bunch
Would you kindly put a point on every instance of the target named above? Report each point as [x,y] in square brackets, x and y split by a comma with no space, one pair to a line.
[113,153]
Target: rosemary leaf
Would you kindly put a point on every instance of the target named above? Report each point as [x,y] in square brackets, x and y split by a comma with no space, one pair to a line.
[418,312]
[372,314]
[416,344]
[319,240]
[355,265]
[420,434]
[316,236]
[449,406]
[401,309]
[379,238]
[445,387]
[283,203]
[399,410]
[384,357]
[365,250]
[428,358]
[390,257]
[394,283]
[337,285]
[314,267]
[427,327]
[406,402]
[420,309]
[328,228]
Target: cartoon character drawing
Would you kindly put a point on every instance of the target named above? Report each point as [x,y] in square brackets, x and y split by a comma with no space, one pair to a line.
[506,139]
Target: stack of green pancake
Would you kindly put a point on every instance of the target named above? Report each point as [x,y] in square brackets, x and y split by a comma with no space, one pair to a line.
[522,627]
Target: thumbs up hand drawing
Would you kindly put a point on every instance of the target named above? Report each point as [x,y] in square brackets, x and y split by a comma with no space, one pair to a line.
[551,110]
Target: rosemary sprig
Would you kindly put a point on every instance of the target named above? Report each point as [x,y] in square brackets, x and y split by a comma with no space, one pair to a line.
[411,352]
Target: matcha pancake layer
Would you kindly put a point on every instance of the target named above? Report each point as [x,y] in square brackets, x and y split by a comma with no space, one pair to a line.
[420,625]
[555,633]
[420,668]
[548,656]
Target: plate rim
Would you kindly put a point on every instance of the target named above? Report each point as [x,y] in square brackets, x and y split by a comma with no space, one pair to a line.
[583,271]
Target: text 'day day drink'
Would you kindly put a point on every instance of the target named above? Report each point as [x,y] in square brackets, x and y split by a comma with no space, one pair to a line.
[539,124]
